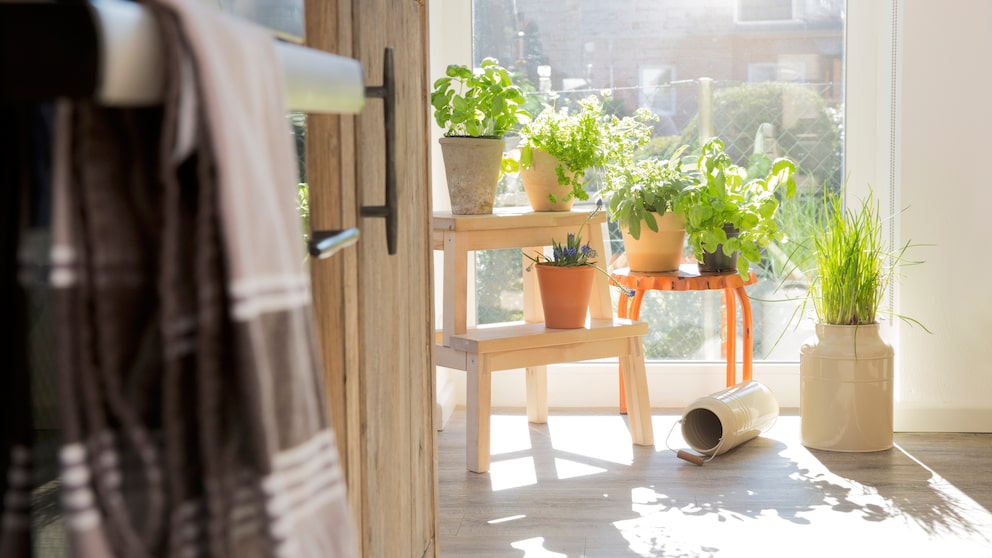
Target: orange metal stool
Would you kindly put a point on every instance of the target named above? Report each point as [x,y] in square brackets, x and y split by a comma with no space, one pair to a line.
[688,278]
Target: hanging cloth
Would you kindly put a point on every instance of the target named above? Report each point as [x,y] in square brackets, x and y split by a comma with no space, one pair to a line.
[193,419]
[22,125]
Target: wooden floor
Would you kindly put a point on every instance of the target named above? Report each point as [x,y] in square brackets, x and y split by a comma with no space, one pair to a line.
[576,487]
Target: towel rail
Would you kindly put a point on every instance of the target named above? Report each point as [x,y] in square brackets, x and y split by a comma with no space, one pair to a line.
[111,50]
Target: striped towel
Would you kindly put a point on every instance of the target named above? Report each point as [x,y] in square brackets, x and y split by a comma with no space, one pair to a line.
[193,419]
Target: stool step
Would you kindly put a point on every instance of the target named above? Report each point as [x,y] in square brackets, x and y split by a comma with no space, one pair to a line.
[518,335]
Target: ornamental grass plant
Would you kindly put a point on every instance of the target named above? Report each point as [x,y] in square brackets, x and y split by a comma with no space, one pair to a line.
[853,266]
[851,278]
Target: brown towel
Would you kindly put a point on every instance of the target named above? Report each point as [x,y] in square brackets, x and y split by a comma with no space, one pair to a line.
[194,423]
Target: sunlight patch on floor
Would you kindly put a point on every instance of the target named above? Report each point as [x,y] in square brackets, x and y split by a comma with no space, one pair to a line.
[568,469]
[512,473]
[603,438]
[534,548]
[509,433]
[506,519]
[725,522]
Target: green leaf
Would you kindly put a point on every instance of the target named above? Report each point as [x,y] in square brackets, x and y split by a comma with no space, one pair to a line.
[458,71]
[508,165]
[651,221]
[526,156]
[635,229]
[442,83]
[743,266]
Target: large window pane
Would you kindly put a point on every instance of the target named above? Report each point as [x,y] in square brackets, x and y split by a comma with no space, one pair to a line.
[769,72]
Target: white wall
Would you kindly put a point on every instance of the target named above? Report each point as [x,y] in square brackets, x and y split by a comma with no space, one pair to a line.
[944,143]
[450,24]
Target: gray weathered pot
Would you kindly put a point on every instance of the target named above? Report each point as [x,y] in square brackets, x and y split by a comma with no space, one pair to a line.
[472,169]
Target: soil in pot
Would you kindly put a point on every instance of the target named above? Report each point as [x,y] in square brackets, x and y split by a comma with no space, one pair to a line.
[472,166]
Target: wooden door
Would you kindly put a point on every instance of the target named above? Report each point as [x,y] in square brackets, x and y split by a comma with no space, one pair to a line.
[374,310]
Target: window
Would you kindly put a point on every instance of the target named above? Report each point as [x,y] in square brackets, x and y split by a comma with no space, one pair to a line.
[764,10]
[763,71]
[655,89]
[283,17]
[774,88]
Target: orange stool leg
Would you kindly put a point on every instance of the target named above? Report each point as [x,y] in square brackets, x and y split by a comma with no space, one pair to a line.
[730,308]
[748,334]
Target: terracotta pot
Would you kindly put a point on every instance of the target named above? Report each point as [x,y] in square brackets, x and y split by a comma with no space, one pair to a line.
[471,166]
[565,294]
[656,251]
[541,181]
[846,389]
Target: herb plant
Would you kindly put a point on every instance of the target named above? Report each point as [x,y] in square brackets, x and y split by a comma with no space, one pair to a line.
[726,196]
[583,139]
[479,103]
[637,190]
[853,267]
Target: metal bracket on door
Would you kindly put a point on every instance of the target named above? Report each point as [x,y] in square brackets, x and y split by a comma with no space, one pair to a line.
[387,92]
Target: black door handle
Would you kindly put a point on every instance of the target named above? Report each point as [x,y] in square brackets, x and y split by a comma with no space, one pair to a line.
[387,92]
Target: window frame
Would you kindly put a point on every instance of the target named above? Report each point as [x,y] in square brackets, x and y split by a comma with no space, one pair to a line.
[676,381]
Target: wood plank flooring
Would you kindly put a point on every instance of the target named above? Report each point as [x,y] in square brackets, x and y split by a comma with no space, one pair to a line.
[576,487]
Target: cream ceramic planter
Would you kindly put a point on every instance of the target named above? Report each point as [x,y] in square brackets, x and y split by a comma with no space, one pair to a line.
[540,181]
[656,251]
[846,389]
[719,422]
[472,166]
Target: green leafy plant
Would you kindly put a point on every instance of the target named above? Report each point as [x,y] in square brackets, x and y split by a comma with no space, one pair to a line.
[639,189]
[583,139]
[853,267]
[483,102]
[727,197]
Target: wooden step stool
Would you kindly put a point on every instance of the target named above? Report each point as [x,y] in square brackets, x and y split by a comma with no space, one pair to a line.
[479,351]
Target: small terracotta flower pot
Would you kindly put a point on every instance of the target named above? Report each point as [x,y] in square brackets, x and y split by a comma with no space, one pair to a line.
[565,294]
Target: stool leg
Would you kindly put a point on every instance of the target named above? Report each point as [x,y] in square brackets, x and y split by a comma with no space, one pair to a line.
[748,334]
[537,394]
[635,313]
[479,402]
[731,312]
[636,388]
